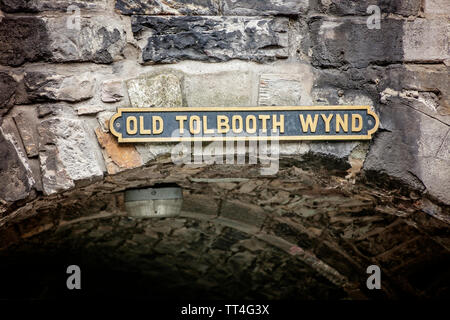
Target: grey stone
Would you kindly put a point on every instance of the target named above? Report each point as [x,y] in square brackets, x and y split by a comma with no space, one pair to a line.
[42,86]
[283,90]
[49,5]
[349,7]
[15,173]
[408,151]
[155,90]
[436,7]
[338,149]
[348,41]
[26,120]
[221,89]
[161,90]
[171,7]
[171,39]
[264,8]
[426,40]
[67,154]
[100,39]
[112,91]
[53,109]
[7,92]
[88,110]
[23,39]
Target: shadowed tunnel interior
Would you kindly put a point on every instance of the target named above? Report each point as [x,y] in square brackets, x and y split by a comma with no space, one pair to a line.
[307,233]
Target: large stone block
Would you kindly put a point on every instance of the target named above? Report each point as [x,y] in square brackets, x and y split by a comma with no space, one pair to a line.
[351,7]
[13,134]
[409,149]
[155,90]
[117,157]
[171,39]
[99,39]
[264,8]
[8,87]
[23,39]
[171,7]
[349,41]
[43,86]
[47,5]
[284,90]
[26,120]
[112,91]
[67,154]
[426,40]
[15,173]
[436,7]
[221,89]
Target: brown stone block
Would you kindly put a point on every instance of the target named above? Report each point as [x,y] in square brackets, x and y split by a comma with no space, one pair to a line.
[117,157]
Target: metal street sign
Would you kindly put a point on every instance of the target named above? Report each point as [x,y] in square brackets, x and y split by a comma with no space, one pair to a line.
[244,123]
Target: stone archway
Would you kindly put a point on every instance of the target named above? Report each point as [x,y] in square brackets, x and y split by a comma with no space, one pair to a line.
[307,232]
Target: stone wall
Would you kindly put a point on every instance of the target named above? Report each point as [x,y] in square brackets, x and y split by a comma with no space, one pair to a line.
[333,208]
[64,70]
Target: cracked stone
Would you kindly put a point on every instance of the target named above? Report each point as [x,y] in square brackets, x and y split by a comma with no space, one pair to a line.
[67,154]
[100,39]
[173,7]
[47,86]
[12,6]
[411,155]
[15,173]
[213,39]
[263,8]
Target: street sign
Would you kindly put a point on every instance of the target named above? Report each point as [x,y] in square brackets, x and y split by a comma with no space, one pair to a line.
[244,123]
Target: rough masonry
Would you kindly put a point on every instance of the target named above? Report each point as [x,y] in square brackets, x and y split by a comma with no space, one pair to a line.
[66,66]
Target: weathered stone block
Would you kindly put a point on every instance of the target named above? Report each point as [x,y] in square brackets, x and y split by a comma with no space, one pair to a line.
[99,39]
[408,151]
[171,39]
[117,157]
[426,40]
[264,8]
[162,90]
[47,5]
[26,120]
[349,41]
[349,7]
[67,154]
[23,39]
[42,86]
[243,212]
[221,89]
[8,88]
[15,172]
[436,7]
[284,90]
[171,7]
[199,204]
[88,110]
[112,91]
